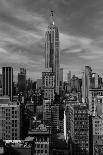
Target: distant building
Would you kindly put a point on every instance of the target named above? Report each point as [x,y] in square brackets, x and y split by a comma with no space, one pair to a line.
[61,77]
[7,75]
[69,77]
[39,112]
[41,135]
[39,84]
[22,80]
[52,50]
[93,94]
[48,81]
[86,83]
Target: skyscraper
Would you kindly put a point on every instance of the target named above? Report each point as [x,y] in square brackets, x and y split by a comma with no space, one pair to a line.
[52,50]
[7,73]
[22,80]
[86,83]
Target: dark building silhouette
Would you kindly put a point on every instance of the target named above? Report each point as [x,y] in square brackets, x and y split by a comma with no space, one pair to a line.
[22,80]
[7,73]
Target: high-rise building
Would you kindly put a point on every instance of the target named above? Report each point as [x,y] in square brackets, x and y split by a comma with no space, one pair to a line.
[61,79]
[9,121]
[93,95]
[86,83]
[48,84]
[98,135]
[22,80]
[69,122]
[69,77]
[81,128]
[47,113]
[39,84]
[52,50]
[7,73]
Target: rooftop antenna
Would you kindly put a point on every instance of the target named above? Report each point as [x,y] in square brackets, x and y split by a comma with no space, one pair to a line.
[52,17]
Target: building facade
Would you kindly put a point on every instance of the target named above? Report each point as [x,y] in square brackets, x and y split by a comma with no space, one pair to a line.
[48,82]
[7,75]
[41,135]
[10,121]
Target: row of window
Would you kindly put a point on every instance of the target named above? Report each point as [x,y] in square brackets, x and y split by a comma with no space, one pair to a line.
[41,145]
[40,151]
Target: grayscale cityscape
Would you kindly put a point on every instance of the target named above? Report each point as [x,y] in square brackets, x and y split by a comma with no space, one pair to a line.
[51,77]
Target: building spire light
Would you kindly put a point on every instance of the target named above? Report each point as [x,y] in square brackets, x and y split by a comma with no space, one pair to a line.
[52,17]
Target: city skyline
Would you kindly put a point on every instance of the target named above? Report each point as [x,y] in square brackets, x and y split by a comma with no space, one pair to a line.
[22,34]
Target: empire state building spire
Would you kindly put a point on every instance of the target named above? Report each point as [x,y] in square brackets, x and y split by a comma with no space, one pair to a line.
[52,50]
[52,18]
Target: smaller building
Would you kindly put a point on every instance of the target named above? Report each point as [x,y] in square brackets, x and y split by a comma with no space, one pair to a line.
[98,134]
[41,136]
[20,147]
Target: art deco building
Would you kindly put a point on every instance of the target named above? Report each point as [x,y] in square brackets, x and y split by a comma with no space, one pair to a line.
[48,84]
[52,50]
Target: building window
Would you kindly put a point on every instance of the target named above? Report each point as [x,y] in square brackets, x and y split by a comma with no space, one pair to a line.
[41,145]
[45,151]
[41,151]
[45,145]
[38,151]
[38,146]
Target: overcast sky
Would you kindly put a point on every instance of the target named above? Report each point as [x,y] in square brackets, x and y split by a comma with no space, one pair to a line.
[22,34]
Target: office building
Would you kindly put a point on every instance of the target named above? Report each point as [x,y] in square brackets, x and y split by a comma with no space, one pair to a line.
[93,94]
[86,83]
[68,122]
[48,82]
[81,128]
[22,80]
[10,121]
[98,135]
[41,135]
[54,118]
[47,113]
[52,50]
[7,87]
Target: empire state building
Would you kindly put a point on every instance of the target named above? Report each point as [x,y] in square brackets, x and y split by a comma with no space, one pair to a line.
[52,50]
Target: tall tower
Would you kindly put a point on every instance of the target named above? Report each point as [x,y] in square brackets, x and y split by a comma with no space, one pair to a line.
[86,83]
[22,80]
[52,50]
[7,73]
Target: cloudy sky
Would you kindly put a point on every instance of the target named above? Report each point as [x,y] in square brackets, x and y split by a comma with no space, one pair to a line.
[22,30]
